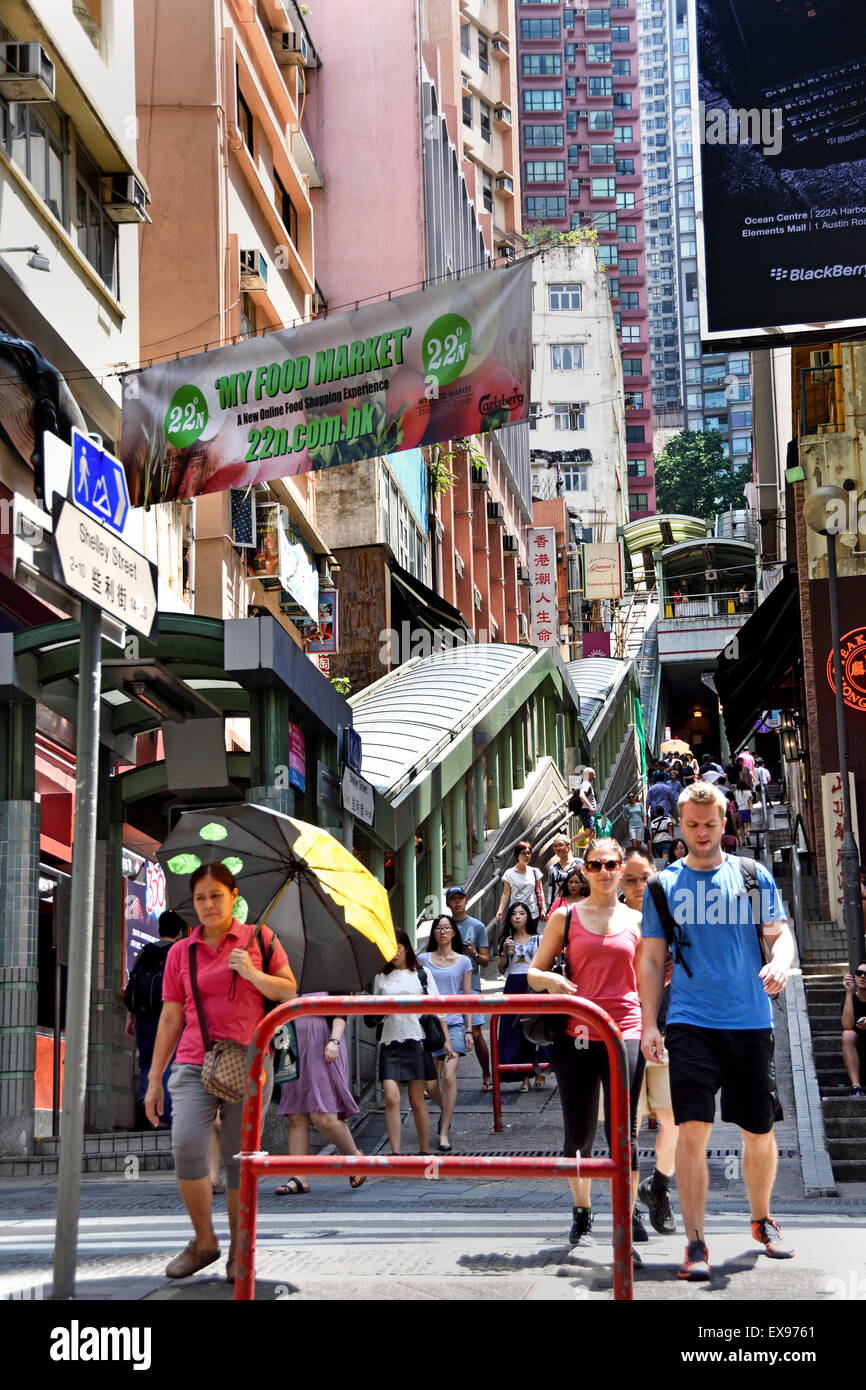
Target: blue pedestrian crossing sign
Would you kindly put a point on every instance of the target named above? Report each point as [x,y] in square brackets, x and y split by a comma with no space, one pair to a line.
[99,483]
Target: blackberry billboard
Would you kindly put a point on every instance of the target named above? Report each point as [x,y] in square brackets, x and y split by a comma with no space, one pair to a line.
[778,129]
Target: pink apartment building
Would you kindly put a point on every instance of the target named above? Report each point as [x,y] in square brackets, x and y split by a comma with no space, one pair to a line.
[412,118]
[581,167]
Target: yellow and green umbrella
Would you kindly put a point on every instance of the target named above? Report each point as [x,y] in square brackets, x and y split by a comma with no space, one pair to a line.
[330,913]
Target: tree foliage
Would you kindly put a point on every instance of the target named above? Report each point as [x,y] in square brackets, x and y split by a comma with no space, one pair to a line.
[695,478]
[547,235]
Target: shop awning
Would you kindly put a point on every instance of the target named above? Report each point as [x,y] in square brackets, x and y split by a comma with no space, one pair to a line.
[424,605]
[753,666]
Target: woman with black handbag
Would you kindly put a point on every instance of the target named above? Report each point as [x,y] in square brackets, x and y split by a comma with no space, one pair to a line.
[405,1054]
[214,989]
[602,953]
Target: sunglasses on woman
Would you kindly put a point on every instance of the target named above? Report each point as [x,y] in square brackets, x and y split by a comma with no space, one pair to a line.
[593,866]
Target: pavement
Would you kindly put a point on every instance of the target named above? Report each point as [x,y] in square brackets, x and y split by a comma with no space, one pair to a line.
[444,1237]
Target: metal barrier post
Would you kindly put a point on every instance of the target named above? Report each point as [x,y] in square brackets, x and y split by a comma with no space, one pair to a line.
[494,1076]
[616,1169]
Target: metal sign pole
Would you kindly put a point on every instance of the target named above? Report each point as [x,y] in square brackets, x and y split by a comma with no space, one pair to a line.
[80,952]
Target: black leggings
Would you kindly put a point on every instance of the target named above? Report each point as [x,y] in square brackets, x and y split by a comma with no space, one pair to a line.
[579,1073]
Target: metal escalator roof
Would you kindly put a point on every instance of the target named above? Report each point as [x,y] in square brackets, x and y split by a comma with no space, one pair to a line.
[413,713]
[594,678]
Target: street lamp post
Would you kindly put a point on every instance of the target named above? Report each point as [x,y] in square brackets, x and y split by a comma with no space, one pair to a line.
[817,511]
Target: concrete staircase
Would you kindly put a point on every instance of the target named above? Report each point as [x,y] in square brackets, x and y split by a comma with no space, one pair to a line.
[844,1117]
[124,1152]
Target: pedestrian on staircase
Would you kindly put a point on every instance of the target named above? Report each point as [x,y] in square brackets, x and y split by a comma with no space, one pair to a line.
[719,1029]
[854,1030]
[473,934]
[522,884]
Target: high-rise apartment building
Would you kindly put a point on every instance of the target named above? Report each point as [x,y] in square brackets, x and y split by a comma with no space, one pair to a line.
[690,389]
[429,170]
[581,165]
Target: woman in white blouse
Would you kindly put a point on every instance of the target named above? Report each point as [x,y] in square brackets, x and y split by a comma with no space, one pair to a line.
[522,884]
[403,1057]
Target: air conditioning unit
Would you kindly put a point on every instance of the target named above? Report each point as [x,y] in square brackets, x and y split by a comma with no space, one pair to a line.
[505,252]
[123,198]
[26,72]
[496,513]
[582,113]
[290,49]
[458,564]
[502,117]
[500,48]
[523,574]
[505,184]
[476,597]
[480,477]
[254,270]
[523,624]
[509,545]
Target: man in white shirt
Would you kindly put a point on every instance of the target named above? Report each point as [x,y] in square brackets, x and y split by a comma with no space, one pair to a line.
[761,777]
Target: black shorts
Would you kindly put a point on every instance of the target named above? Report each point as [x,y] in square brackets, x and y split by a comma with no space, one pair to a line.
[739,1061]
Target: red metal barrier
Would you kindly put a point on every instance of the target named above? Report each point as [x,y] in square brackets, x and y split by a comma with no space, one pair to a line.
[498,1070]
[255,1164]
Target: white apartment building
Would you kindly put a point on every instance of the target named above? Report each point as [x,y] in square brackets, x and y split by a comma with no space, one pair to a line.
[72,200]
[578,438]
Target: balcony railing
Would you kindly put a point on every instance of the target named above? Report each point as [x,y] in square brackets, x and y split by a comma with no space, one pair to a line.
[822,405]
[727,604]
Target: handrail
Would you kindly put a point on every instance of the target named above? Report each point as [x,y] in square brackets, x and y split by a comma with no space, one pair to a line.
[255,1164]
[799,825]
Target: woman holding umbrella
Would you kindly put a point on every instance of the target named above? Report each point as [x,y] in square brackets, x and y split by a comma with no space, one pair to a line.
[221,975]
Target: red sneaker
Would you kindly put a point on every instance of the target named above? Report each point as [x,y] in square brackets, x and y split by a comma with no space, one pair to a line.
[696,1265]
[768,1233]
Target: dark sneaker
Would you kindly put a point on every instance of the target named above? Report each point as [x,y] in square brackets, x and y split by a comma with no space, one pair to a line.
[768,1233]
[581,1227]
[639,1232]
[636,1261]
[658,1204]
[857,1093]
[696,1265]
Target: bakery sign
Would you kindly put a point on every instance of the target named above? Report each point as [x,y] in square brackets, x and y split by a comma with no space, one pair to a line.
[852,650]
[602,570]
[543,606]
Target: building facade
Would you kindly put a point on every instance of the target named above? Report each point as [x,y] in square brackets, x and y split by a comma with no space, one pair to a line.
[690,389]
[581,158]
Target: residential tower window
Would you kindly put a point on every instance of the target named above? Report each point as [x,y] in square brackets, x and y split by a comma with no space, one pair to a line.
[566,357]
[564,297]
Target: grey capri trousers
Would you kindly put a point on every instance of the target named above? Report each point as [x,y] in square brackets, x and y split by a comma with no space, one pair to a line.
[193,1110]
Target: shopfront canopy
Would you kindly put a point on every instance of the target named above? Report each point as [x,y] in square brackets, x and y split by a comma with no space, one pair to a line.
[751,671]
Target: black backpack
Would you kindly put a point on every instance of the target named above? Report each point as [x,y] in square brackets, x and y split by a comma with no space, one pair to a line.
[143,993]
[673,930]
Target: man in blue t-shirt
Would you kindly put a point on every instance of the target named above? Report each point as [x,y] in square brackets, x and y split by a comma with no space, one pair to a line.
[473,934]
[719,1031]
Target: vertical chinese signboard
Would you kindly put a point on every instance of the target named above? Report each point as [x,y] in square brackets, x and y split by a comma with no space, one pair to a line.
[834,829]
[543,609]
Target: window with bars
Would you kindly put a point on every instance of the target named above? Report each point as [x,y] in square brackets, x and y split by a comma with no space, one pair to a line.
[537,208]
[95,233]
[539,29]
[545,170]
[542,99]
[541,136]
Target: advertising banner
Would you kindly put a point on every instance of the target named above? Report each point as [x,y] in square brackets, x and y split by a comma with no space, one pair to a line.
[834,829]
[439,364]
[326,639]
[543,607]
[777,123]
[142,925]
[602,570]
[596,644]
[297,759]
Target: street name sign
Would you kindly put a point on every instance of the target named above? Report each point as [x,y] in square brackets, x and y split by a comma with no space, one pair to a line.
[358,796]
[98,566]
[99,483]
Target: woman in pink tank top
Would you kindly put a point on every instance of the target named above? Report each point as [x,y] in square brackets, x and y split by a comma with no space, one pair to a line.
[601,942]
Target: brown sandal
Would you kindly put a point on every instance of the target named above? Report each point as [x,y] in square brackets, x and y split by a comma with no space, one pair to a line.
[190,1261]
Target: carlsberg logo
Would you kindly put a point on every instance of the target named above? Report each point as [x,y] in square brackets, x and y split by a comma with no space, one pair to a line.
[77,1343]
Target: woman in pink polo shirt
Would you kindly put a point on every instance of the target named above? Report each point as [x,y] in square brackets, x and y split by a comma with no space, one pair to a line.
[234,979]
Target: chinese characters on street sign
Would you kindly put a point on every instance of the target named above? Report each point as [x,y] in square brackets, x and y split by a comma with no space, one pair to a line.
[834,830]
[543,607]
[98,566]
